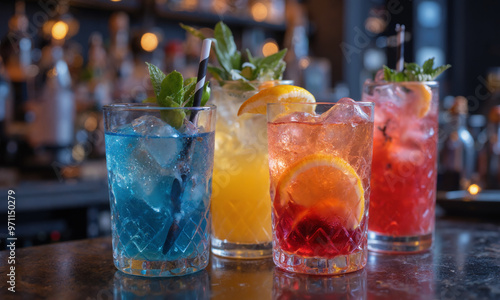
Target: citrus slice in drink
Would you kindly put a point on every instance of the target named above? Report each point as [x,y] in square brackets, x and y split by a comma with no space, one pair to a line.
[326,185]
[421,96]
[277,94]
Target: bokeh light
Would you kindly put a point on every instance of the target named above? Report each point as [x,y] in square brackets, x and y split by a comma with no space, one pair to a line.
[149,42]
[259,11]
[269,48]
[474,189]
[60,30]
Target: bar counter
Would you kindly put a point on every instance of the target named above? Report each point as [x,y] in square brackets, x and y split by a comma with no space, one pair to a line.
[464,263]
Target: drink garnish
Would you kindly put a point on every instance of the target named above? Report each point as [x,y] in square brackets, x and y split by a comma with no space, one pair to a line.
[257,104]
[412,78]
[326,182]
[172,90]
[234,67]
[414,72]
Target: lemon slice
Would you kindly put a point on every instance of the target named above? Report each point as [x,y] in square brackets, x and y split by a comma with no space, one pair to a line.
[280,93]
[421,98]
[326,184]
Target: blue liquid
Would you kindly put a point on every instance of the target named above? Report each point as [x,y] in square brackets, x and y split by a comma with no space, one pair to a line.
[141,171]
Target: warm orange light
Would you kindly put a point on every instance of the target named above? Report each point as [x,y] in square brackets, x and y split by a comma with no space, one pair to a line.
[116,0]
[149,42]
[59,30]
[269,48]
[91,123]
[474,189]
[304,62]
[259,11]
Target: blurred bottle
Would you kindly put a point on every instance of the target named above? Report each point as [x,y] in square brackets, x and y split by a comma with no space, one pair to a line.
[16,53]
[296,41]
[5,113]
[457,157]
[489,157]
[120,55]
[53,126]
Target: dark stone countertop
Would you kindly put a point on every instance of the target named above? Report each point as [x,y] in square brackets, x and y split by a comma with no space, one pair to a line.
[463,264]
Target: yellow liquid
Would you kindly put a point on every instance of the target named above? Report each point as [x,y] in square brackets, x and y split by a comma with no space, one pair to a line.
[241,204]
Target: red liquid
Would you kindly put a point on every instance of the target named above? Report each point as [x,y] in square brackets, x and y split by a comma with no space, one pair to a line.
[319,229]
[404,171]
[308,233]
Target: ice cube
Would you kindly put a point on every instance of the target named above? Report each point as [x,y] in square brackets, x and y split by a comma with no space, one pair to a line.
[297,116]
[188,128]
[345,111]
[160,140]
[152,126]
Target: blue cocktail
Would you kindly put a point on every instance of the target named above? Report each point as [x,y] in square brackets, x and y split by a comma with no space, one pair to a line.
[160,187]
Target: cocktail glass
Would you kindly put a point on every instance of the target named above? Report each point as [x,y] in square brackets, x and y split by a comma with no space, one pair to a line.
[404,165]
[159,188]
[320,158]
[241,210]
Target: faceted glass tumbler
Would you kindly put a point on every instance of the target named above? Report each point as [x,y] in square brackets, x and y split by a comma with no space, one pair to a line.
[404,170]
[320,158]
[241,207]
[159,187]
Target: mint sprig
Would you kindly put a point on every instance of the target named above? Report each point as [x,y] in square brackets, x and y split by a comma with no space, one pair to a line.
[172,90]
[414,72]
[232,66]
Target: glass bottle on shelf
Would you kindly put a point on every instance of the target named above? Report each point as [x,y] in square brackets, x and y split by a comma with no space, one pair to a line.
[457,156]
[489,157]
[15,50]
[53,124]
[5,113]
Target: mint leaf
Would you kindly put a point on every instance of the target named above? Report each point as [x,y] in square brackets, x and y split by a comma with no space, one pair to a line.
[427,66]
[173,91]
[248,73]
[414,72]
[156,76]
[217,73]
[279,70]
[240,85]
[272,61]
[206,94]
[250,57]
[193,31]
[233,66]
[436,72]
[225,48]
[189,87]
[388,73]
[174,118]
[172,86]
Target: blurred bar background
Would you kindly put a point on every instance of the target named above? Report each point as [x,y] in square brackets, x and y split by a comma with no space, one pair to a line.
[62,60]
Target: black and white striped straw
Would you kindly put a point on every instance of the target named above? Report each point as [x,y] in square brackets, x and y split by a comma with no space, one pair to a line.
[202,71]
[400,29]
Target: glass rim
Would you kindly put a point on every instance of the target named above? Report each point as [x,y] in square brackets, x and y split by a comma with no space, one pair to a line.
[152,107]
[358,103]
[432,83]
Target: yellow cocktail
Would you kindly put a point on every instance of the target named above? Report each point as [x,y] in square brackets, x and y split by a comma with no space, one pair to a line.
[241,205]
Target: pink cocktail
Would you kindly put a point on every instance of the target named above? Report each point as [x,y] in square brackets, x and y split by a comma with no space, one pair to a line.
[403,183]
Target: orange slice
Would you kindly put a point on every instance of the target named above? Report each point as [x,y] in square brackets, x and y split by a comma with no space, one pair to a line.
[421,97]
[326,184]
[280,93]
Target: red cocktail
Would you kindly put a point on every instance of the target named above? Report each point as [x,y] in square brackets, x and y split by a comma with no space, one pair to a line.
[320,159]
[404,165]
